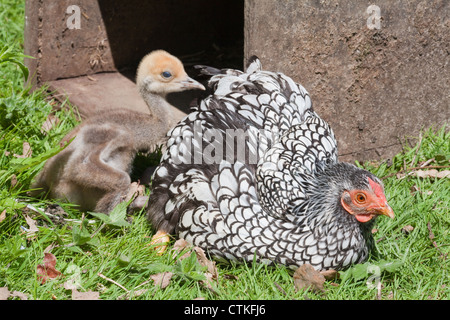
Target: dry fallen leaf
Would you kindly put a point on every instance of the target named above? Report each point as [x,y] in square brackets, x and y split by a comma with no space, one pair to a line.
[73,272]
[307,277]
[162,279]
[330,274]
[26,151]
[211,274]
[179,246]
[407,229]
[132,295]
[3,215]
[13,180]
[90,295]
[51,122]
[47,270]
[432,173]
[19,294]
[70,285]
[32,227]
[204,261]
[5,294]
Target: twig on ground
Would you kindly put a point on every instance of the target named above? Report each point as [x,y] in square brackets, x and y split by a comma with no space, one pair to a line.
[112,281]
[43,212]
[129,294]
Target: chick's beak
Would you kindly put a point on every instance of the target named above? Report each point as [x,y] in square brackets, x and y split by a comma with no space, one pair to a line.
[189,83]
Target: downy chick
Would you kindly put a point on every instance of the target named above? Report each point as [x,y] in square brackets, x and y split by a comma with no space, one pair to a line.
[158,75]
[94,170]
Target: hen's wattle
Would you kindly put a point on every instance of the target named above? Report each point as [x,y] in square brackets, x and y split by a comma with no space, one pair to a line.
[252,173]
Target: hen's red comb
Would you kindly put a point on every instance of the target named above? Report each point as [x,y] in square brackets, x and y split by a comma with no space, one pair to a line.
[377,189]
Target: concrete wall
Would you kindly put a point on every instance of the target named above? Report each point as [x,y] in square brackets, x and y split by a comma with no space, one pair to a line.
[374,86]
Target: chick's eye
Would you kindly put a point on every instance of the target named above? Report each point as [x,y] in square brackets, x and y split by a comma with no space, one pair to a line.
[360,198]
[166,74]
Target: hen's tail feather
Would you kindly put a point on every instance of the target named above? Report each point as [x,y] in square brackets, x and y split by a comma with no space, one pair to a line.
[207,70]
[253,64]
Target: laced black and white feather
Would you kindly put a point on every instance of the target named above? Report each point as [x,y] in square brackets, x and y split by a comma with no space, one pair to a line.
[242,176]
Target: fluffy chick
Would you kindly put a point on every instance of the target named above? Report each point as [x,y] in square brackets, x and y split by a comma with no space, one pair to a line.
[93,171]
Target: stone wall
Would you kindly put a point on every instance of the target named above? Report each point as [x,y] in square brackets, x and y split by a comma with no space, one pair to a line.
[374,80]
[76,38]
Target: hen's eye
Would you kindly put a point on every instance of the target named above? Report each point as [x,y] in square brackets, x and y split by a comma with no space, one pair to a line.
[166,74]
[360,197]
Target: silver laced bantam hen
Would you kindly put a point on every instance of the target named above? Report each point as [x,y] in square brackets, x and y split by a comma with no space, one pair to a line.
[253,173]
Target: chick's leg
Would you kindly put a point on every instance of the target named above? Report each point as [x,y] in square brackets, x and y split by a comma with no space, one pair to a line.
[99,181]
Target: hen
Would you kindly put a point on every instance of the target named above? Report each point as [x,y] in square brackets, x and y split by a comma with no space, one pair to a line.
[252,173]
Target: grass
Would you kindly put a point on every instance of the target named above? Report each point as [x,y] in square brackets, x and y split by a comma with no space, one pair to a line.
[411,265]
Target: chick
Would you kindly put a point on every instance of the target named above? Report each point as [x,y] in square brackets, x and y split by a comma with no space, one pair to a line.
[93,171]
[158,75]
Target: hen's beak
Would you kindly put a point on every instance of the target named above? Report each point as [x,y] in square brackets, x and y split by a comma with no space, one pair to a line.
[189,83]
[386,210]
